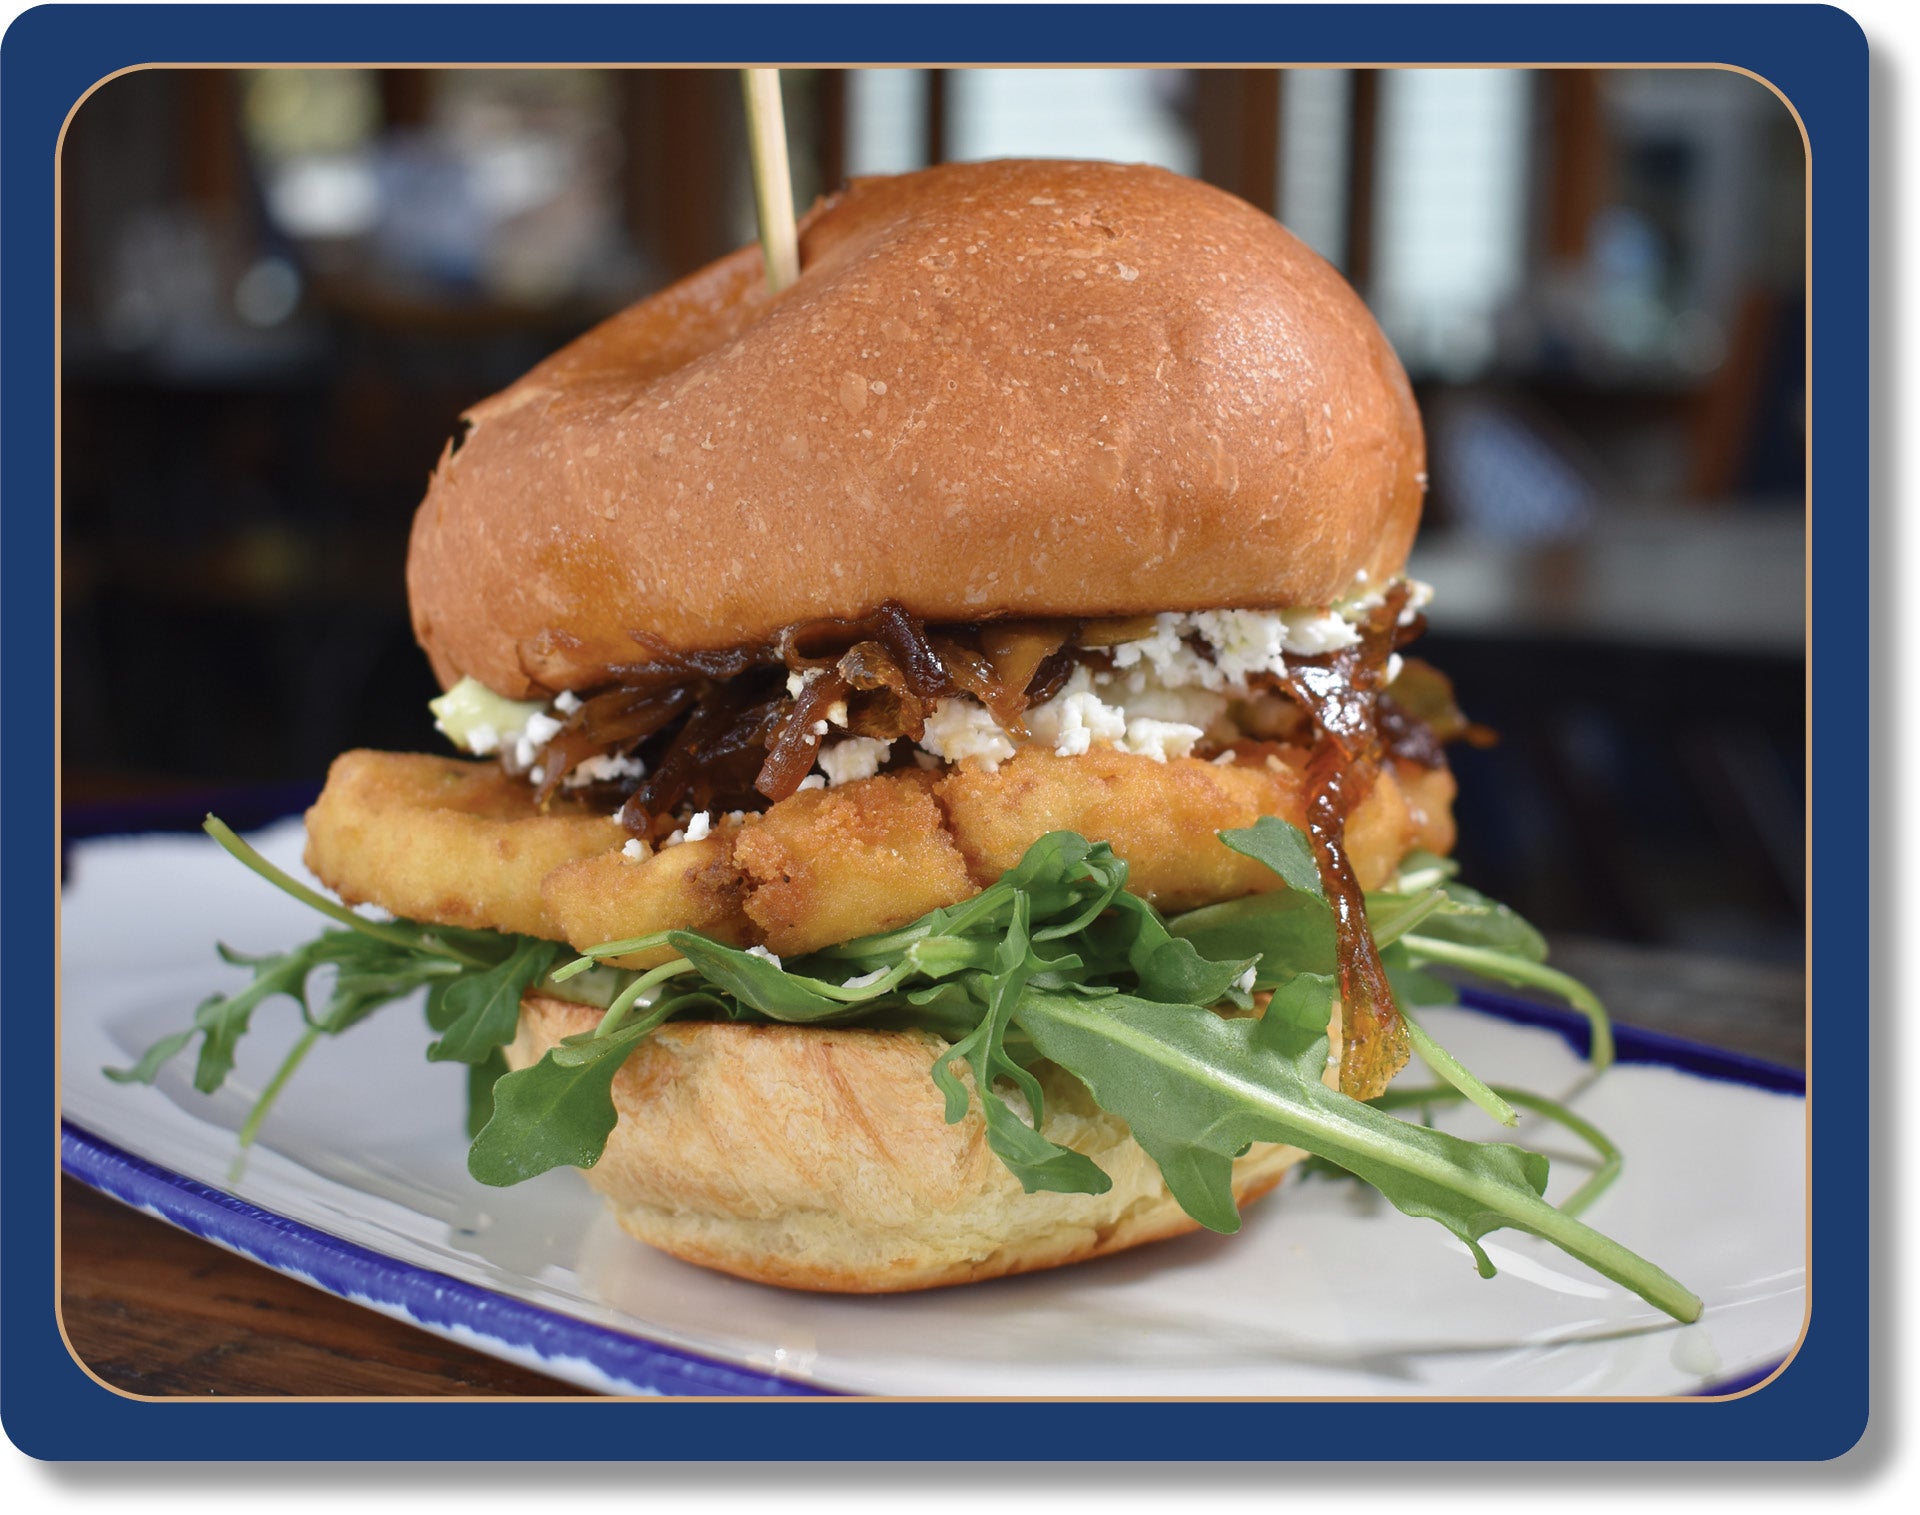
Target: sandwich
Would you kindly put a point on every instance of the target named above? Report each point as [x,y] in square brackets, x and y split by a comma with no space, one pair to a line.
[944,790]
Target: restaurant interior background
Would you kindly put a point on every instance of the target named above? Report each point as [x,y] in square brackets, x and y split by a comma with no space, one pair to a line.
[280,289]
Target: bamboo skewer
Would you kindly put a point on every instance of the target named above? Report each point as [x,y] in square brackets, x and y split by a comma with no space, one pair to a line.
[772,178]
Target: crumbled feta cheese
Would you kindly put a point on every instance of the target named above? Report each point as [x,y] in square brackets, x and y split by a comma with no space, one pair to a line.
[1244,983]
[819,728]
[1077,719]
[1074,722]
[536,775]
[1226,759]
[566,702]
[1244,642]
[858,757]
[1309,633]
[1159,740]
[1395,663]
[1190,707]
[1167,652]
[540,729]
[762,952]
[735,817]
[863,980]
[837,713]
[604,769]
[634,848]
[813,781]
[696,829]
[797,682]
[482,740]
[960,728]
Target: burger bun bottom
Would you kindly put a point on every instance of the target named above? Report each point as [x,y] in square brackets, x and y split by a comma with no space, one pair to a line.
[821,1158]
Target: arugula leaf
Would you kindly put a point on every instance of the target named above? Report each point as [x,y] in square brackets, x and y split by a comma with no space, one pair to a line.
[1422,870]
[1469,918]
[1606,1170]
[1283,848]
[1290,931]
[1197,1090]
[1168,967]
[1411,985]
[558,1112]
[372,963]
[1296,1020]
[781,994]
[1525,974]
[482,1010]
[223,1019]
[1456,1073]
[481,1078]
[552,1114]
[156,1057]
[1037,1162]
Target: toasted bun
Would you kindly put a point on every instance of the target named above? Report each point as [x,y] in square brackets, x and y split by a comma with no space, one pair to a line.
[998,389]
[821,1159]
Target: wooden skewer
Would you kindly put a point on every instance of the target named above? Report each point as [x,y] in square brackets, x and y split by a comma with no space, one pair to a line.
[772,178]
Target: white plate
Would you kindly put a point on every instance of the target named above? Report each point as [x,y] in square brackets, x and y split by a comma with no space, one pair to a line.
[359,1183]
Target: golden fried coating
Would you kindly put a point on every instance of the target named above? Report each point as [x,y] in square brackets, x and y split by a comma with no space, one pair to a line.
[694,886]
[1409,810]
[437,839]
[827,865]
[460,843]
[1162,818]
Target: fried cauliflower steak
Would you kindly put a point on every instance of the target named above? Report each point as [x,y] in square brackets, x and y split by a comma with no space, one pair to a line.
[463,844]
[437,839]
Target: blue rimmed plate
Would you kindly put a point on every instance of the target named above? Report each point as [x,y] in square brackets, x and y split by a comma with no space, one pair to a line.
[358,1185]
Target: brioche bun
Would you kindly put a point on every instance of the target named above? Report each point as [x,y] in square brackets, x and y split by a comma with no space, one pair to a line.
[998,389]
[820,1158]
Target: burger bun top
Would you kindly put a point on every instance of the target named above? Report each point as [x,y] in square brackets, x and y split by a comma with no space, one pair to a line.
[997,389]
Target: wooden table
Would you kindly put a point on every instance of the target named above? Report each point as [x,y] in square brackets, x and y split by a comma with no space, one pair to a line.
[153,1310]
[156,1311]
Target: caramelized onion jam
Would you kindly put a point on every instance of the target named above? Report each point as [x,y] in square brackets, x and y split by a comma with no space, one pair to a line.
[742,728]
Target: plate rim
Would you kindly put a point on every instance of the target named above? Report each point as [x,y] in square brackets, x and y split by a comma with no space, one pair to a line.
[434,1301]
[539,1335]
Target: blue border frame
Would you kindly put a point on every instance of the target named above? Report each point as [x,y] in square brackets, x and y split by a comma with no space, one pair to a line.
[642,1366]
[1816,55]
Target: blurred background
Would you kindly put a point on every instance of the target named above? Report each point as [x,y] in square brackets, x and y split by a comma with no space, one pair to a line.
[280,288]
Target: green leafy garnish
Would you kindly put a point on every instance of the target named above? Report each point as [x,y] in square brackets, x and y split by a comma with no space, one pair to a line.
[1055,963]
[479,1012]
[1605,1171]
[373,963]
[1196,1089]
[1283,848]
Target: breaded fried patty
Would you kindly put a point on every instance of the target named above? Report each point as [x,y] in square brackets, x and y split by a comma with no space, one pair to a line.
[459,843]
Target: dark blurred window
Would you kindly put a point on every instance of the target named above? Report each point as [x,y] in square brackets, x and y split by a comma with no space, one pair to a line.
[490,184]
